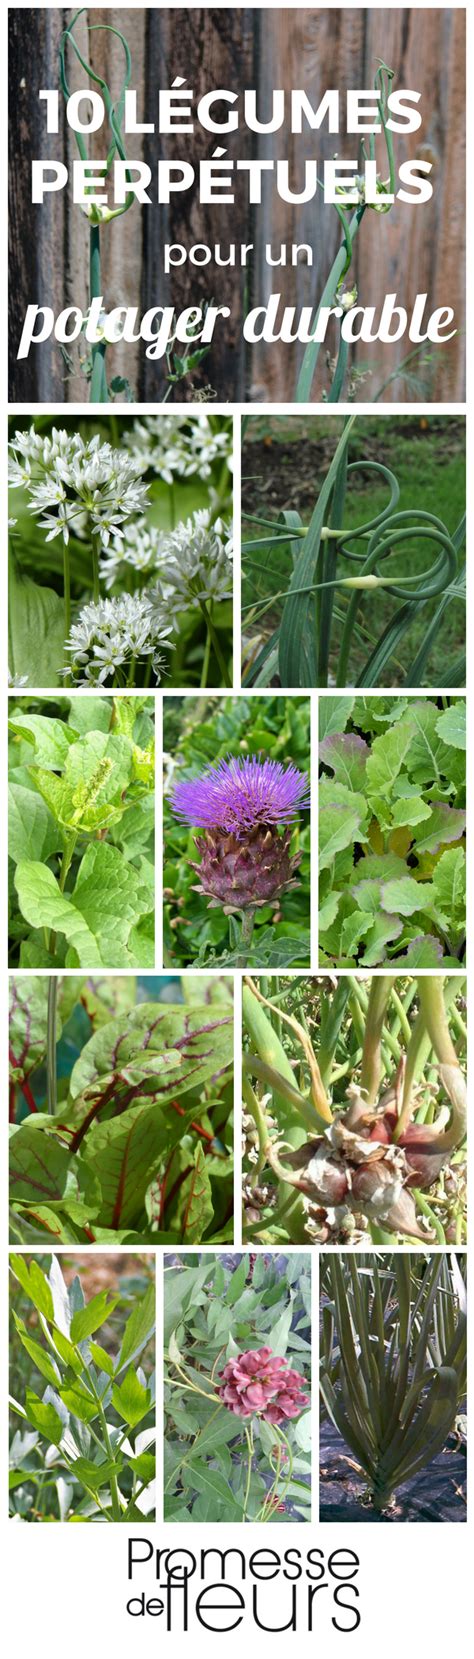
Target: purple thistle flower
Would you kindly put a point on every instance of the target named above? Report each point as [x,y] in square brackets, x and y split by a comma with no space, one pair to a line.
[236,795]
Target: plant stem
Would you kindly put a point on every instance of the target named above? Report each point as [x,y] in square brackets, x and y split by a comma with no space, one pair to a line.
[52,1085]
[99,393]
[67,590]
[246,931]
[65,863]
[95,572]
[249,1439]
[215,643]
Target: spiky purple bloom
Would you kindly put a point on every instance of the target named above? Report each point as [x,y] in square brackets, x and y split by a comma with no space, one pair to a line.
[238,794]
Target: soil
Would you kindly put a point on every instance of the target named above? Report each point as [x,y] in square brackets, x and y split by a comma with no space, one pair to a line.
[284,473]
[437,1493]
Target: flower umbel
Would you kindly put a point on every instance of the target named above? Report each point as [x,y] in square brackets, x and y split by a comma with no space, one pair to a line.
[259,1383]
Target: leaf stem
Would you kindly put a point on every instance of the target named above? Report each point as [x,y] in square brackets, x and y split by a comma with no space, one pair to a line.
[52,1084]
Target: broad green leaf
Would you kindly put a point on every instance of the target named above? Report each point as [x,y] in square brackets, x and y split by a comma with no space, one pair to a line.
[95,1312]
[334,714]
[412,810]
[67,1351]
[449,884]
[278,1336]
[176,1048]
[387,756]
[131,1399]
[39,1355]
[49,739]
[35,629]
[338,827]
[423,952]
[78,1402]
[43,1172]
[101,1359]
[139,1327]
[217,1432]
[143,1466]
[429,758]
[196,1200]
[32,832]
[35,1284]
[209,1480]
[98,916]
[345,754]
[237,1282]
[445,824]
[43,1417]
[385,929]
[402,898]
[44,906]
[451,725]
[94,1475]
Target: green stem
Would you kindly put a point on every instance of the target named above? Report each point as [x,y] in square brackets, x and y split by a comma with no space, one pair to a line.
[99,392]
[52,1086]
[67,590]
[65,864]
[246,931]
[249,1439]
[215,643]
[95,572]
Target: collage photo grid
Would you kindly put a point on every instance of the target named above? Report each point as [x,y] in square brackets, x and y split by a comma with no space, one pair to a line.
[236,749]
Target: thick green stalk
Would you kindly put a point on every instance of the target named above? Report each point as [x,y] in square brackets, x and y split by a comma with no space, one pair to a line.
[215,642]
[52,1088]
[372,1069]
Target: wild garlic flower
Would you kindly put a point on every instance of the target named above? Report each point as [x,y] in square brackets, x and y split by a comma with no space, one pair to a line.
[112,634]
[16,681]
[178,446]
[191,563]
[70,480]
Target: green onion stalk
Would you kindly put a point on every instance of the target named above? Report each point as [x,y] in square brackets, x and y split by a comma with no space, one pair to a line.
[99,216]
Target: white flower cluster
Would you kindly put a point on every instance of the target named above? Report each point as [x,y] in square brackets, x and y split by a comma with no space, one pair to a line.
[78,481]
[114,633]
[191,563]
[178,446]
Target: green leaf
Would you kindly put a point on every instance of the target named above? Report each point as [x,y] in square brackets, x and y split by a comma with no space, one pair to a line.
[237,1282]
[402,898]
[346,755]
[49,739]
[409,811]
[43,1417]
[387,756]
[334,714]
[196,1200]
[35,1284]
[423,952]
[88,1319]
[131,1399]
[143,1466]
[32,832]
[139,1327]
[338,828]
[445,824]
[97,919]
[40,1357]
[101,1359]
[281,1330]
[94,1475]
[35,629]
[78,1402]
[67,1351]
[449,884]
[209,1480]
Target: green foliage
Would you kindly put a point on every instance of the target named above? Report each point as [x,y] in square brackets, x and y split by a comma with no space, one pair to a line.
[215,1469]
[84,1447]
[363,1040]
[328,626]
[393,1360]
[197,734]
[81,833]
[140,1144]
[391,832]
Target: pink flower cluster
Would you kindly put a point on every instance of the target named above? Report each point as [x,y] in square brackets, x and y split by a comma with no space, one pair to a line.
[259,1382]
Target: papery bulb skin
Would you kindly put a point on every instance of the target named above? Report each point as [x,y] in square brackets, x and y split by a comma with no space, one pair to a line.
[423,1156]
[243,874]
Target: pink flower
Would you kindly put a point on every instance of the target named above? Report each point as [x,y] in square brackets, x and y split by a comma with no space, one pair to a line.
[259,1382]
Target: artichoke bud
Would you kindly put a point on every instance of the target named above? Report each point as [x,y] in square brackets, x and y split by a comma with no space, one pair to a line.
[241,873]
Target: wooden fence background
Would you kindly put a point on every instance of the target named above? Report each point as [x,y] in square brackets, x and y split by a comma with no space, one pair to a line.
[410,250]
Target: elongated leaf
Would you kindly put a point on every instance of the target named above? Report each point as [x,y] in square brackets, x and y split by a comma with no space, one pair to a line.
[298,657]
[139,1328]
[196,1199]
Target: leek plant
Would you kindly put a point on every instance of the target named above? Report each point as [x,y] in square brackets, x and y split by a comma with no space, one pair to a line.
[393,1361]
[354,1109]
[325,605]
